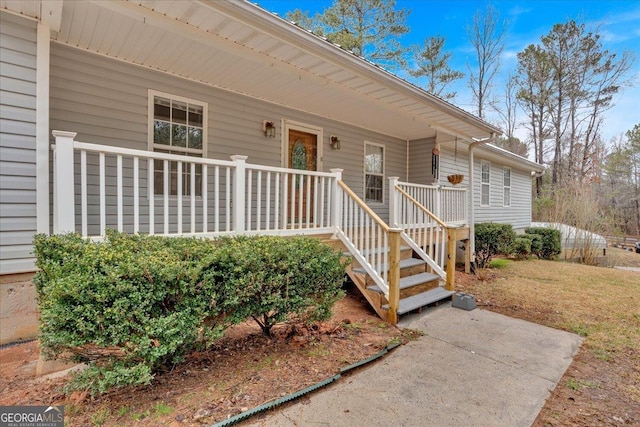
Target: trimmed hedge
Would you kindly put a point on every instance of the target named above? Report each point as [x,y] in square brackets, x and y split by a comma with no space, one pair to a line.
[492,239]
[521,247]
[132,305]
[550,242]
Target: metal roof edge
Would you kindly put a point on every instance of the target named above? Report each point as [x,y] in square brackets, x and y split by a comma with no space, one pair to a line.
[537,167]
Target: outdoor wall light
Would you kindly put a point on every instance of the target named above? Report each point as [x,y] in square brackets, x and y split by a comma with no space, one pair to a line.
[269,129]
[334,142]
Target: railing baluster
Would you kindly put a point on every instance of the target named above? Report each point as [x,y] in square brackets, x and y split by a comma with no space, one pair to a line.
[259,201]
[276,212]
[136,195]
[308,212]
[103,204]
[119,191]
[301,199]
[228,200]
[165,192]
[249,196]
[285,201]
[205,198]
[179,196]
[151,164]
[192,186]
[320,220]
[267,220]
[83,191]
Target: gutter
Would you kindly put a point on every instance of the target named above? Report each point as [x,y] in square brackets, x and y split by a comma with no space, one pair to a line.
[472,240]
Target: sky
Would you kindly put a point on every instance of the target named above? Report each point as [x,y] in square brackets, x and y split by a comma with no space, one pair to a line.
[618,22]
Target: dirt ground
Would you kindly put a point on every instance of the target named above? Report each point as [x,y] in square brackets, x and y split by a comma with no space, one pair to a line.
[242,371]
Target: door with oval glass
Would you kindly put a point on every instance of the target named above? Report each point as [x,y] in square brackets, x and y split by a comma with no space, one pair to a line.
[303,155]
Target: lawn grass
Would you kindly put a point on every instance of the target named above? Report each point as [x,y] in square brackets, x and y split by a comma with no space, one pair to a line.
[601,304]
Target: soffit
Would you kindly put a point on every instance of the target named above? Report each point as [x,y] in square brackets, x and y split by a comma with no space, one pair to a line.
[238,47]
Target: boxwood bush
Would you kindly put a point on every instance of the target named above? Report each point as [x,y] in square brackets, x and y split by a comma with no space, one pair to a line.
[521,247]
[132,305]
[272,279]
[492,239]
[551,242]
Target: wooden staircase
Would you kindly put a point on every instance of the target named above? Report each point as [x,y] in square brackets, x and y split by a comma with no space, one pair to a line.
[419,287]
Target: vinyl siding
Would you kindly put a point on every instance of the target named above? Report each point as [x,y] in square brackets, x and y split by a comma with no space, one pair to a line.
[519,213]
[105,101]
[17,143]
[420,161]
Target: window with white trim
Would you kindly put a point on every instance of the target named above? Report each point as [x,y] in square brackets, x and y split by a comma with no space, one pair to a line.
[506,186]
[177,126]
[485,183]
[373,172]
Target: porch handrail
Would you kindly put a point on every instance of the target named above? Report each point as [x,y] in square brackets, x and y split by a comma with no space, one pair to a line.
[136,191]
[367,237]
[424,209]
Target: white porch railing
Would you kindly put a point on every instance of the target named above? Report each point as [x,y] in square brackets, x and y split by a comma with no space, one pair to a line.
[98,187]
[449,204]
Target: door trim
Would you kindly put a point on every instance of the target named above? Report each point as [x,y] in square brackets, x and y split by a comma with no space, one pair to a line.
[288,125]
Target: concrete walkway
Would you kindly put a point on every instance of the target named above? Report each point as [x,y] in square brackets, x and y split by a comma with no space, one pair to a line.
[471,368]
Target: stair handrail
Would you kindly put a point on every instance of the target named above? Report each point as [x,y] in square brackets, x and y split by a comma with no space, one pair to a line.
[419,205]
[438,267]
[360,239]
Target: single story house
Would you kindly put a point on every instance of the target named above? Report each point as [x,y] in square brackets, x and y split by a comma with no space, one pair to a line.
[207,117]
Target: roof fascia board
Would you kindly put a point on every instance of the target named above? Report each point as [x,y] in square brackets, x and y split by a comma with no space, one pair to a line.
[509,158]
[290,33]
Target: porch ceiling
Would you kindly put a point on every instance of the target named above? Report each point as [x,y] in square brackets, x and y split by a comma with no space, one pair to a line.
[237,46]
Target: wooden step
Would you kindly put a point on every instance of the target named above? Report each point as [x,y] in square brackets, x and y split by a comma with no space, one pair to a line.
[421,300]
[410,281]
[408,267]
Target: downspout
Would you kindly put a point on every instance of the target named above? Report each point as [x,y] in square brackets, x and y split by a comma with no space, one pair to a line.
[472,240]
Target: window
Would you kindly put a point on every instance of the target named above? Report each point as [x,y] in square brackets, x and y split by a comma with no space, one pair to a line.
[506,186]
[485,183]
[373,172]
[177,127]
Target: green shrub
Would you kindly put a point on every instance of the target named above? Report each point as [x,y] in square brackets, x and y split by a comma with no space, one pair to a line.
[551,242]
[522,247]
[492,239]
[536,242]
[271,278]
[127,305]
[132,305]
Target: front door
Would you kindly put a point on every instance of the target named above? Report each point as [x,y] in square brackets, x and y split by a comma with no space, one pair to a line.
[303,155]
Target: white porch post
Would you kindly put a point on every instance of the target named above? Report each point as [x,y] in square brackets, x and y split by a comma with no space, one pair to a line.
[393,201]
[239,193]
[336,220]
[64,214]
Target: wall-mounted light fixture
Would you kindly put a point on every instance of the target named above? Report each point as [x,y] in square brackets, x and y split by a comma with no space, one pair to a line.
[334,142]
[269,129]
